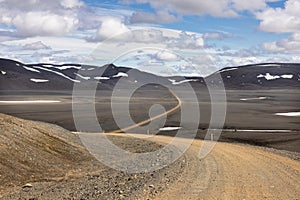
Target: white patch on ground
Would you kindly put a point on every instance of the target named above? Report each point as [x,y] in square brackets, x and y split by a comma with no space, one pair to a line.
[31,69]
[272,65]
[58,73]
[226,70]
[3,72]
[67,67]
[135,81]
[120,74]
[29,102]
[101,78]
[174,82]
[289,114]
[17,64]
[49,65]
[228,76]
[256,98]
[268,76]
[287,76]
[83,77]
[250,130]
[38,80]
[89,69]
[169,128]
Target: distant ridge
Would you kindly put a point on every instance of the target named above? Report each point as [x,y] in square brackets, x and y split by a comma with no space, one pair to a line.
[15,75]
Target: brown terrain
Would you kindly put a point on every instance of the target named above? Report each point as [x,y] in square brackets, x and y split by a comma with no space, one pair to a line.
[44,161]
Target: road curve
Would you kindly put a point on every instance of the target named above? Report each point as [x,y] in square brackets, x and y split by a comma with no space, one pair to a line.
[230,171]
[233,171]
[152,118]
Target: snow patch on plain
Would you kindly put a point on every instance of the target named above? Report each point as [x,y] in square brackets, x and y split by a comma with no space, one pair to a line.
[38,80]
[256,98]
[3,72]
[289,114]
[29,102]
[169,128]
[259,130]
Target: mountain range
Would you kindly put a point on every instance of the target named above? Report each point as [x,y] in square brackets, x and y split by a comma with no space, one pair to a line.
[15,75]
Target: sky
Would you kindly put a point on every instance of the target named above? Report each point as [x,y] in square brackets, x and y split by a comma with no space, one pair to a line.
[165,37]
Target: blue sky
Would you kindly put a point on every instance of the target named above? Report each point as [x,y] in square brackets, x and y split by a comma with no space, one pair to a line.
[166,37]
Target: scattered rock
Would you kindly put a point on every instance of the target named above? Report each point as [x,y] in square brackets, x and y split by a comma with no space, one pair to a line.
[27,185]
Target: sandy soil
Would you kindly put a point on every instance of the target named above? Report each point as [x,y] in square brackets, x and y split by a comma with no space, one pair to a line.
[233,171]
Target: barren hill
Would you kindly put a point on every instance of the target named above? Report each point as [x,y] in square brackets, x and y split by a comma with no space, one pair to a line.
[31,151]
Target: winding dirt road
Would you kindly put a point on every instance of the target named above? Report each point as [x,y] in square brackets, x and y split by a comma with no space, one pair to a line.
[230,171]
[234,171]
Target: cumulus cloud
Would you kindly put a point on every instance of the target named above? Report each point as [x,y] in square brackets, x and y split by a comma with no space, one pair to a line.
[43,23]
[281,20]
[187,41]
[287,45]
[70,4]
[36,46]
[40,18]
[216,8]
[236,61]
[115,29]
[166,56]
[158,17]
[109,27]
[217,35]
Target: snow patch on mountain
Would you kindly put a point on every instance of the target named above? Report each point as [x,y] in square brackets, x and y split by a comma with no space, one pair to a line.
[120,74]
[226,70]
[101,78]
[174,82]
[63,67]
[83,77]
[58,73]
[268,76]
[31,69]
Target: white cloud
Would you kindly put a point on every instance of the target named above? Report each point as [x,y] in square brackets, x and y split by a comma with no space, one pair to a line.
[38,18]
[216,8]
[281,20]
[217,35]
[153,18]
[44,23]
[110,26]
[187,41]
[116,30]
[35,46]
[166,56]
[236,61]
[288,45]
[71,3]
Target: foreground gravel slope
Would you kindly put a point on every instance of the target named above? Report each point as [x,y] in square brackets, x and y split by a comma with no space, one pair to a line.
[56,166]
